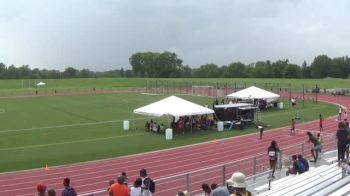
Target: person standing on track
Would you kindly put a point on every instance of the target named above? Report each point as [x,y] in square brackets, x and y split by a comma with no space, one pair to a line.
[272,151]
[292,129]
[321,123]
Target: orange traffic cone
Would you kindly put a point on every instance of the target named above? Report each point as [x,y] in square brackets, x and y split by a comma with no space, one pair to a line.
[46,167]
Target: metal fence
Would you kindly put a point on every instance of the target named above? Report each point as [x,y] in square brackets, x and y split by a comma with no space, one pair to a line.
[250,166]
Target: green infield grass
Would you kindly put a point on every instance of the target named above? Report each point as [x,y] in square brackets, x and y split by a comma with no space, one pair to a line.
[58,130]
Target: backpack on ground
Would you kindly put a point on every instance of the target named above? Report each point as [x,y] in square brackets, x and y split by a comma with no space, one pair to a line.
[300,167]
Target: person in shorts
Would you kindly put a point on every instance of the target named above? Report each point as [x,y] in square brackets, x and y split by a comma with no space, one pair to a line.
[292,129]
[316,148]
[272,151]
[321,123]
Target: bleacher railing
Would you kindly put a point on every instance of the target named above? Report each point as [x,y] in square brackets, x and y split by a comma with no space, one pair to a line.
[250,166]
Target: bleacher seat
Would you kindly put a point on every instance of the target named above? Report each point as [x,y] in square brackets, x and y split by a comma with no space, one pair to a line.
[299,183]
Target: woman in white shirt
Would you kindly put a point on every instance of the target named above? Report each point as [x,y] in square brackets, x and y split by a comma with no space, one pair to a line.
[136,189]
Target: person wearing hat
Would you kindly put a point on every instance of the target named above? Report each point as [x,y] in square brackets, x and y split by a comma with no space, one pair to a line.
[41,189]
[236,185]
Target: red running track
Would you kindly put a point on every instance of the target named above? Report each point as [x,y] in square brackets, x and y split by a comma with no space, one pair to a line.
[92,176]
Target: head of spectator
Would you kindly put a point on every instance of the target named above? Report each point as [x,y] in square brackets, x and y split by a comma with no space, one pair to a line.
[294,157]
[273,144]
[309,133]
[51,192]
[66,182]
[143,173]
[41,189]
[213,186]
[138,182]
[236,182]
[220,191]
[110,182]
[126,178]
[341,125]
[180,193]
[206,188]
[121,179]
[300,156]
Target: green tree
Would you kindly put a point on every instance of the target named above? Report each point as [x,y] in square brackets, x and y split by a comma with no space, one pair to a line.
[70,72]
[207,71]
[292,71]
[277,68]
[305,70]
[85,73]
[321,67]
[160,65]
[235,70]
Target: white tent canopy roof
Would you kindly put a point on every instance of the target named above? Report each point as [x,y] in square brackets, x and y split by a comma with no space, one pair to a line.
[253,92]
[41,84]
[173,106]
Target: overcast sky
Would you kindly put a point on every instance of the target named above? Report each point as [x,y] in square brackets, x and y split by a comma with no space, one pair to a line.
[102,34]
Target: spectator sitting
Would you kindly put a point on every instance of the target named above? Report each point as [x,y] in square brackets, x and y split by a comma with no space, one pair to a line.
[304,161]
[206,189]
[41,190]
[298,166]
[237,185]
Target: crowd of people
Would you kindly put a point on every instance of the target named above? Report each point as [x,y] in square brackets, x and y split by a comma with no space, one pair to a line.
[142,186]
[235,186]
[68,190]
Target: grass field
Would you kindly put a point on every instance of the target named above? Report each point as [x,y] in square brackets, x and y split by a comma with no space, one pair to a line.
[89,83]
[57,130]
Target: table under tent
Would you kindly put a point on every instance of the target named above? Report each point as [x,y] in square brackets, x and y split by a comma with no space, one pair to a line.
[241,114]
[174,108]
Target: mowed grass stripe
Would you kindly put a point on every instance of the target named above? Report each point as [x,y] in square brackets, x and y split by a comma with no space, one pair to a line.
[71,142]
[70,125]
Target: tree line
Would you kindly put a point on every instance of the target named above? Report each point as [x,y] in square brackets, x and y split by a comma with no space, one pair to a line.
[168,65]
[25,72]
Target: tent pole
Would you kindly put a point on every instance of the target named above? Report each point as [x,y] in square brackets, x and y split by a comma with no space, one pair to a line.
[133,121]
[191,123]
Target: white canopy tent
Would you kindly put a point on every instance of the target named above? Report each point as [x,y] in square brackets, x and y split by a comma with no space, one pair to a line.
[173,106]
[254,92]
[41,84]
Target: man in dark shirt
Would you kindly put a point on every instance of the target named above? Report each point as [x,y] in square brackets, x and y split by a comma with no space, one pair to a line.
[342,135]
